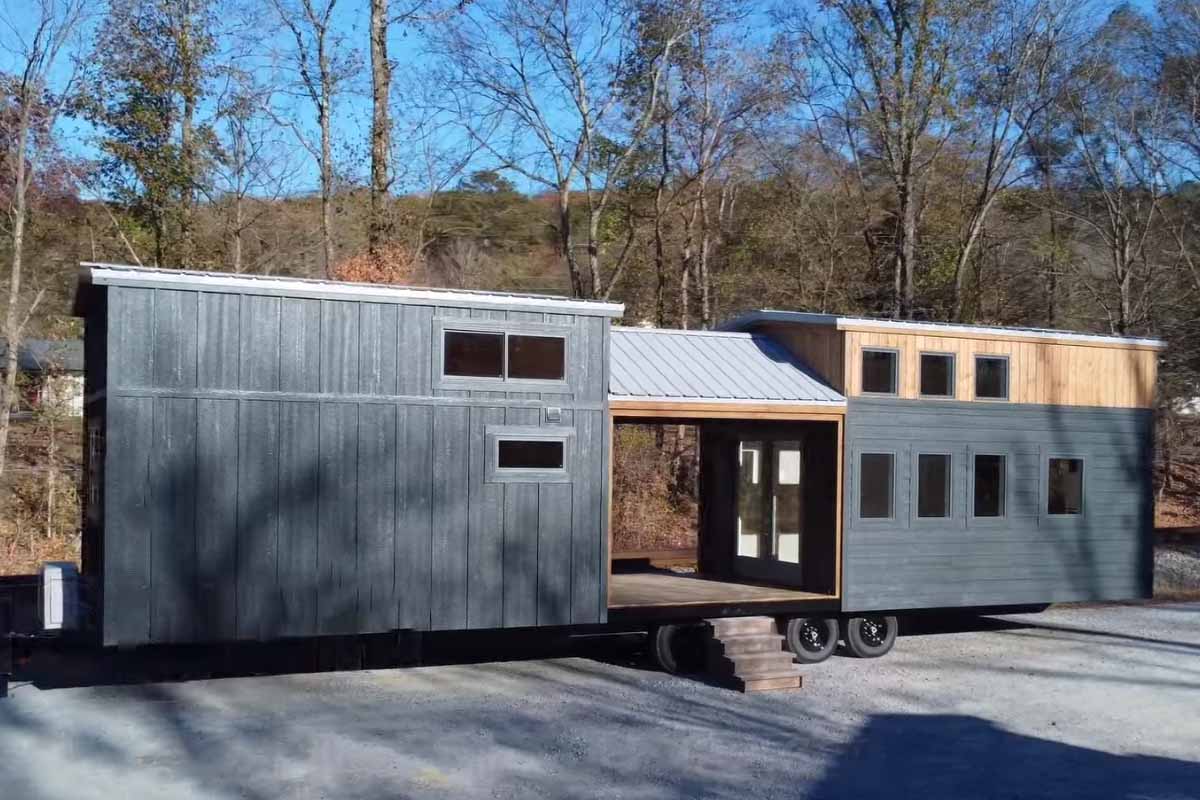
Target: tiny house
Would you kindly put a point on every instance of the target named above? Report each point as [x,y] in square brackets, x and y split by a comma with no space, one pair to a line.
[272,458]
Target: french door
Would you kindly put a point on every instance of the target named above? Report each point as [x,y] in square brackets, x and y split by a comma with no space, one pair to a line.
[770,508]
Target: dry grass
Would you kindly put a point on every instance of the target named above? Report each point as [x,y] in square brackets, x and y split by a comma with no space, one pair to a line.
[1178,506]
[32,528]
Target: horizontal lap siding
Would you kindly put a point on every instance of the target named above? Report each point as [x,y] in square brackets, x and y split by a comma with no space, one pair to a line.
[1028,557]
[284,467]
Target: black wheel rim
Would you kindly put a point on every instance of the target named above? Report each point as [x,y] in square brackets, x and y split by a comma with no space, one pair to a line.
[873,631]
[813,637]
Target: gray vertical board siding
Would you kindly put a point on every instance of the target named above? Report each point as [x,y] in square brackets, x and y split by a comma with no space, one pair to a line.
[485,549]
[337,556]
[451,451]
[216,520]
[260,342]
[415,351]
[378,335]
[299,493]
[300,345]
[451,314]
[414,530]
[1028,557]
[377,495]
[129,520]
[339,347]
[587,519]
[130,337]
[174,348]
[554,554]
[173,522]
[344,495]
[218,340]
[258,520]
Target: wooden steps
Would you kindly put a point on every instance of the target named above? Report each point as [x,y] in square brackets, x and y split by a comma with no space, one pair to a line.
[747,653]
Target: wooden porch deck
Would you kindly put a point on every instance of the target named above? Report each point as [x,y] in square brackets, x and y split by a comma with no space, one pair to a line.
[656,589]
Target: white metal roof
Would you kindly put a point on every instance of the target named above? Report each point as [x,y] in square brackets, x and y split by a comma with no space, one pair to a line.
[656,364]
[944,328]
[123,275]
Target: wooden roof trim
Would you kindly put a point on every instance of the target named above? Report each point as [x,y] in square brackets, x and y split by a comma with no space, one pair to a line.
[624,407]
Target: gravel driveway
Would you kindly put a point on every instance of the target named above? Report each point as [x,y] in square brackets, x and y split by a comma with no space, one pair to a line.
[1075,702]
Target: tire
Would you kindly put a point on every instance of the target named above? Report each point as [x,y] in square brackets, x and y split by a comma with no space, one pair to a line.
[811,639]
[677,649]
[870,637]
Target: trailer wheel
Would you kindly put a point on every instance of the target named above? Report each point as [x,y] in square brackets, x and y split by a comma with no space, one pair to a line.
[811,639]
[870,637]
[677,649]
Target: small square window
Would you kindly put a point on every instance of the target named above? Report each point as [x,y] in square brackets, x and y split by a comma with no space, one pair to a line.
[937,375]
[933,485]
[879,371]
[530,454]
[541,358]
[1064,487]
[990,479]
[876,485]
[471,354]
[991,377]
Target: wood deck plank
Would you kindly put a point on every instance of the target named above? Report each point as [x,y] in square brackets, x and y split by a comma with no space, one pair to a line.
[642,589]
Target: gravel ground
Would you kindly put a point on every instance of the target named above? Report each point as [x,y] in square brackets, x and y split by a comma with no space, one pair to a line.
[1176,568]
[1075,702]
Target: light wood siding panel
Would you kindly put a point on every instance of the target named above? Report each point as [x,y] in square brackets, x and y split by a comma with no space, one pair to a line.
[821,348]
[1051,373]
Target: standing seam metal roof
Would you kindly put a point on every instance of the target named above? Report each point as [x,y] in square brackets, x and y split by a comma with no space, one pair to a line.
[722,366]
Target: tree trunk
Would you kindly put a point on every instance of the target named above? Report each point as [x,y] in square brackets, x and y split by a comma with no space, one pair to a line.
[660,254]
[908,250]
[323,115]
[702,277]
[565,240]
[381,81]
[187,136]
[12,317]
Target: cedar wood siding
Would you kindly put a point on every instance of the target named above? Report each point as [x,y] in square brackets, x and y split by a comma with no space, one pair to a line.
[283,466]
[1028,558]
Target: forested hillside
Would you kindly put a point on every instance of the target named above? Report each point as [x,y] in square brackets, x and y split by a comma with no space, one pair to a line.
[1026,162]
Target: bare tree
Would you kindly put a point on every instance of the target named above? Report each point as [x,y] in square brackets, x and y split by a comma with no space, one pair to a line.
[318,66]
[537,85]
[34,105]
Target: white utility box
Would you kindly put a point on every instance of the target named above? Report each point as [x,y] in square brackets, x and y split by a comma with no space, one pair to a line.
[60,596]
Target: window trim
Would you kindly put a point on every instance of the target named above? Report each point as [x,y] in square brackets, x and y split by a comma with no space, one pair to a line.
[989,450]
[1044,487]
[895,351]
[494,434]
[444,325]
[957,453]
[898,518]
[953,395]
[1007,377]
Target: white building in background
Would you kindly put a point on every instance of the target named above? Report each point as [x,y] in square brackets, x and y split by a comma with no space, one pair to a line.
[53,374]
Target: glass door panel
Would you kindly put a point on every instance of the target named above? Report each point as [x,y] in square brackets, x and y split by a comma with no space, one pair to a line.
[751,495]
[787,502]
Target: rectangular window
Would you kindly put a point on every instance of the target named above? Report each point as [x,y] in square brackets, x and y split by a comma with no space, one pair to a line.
[991,377]
[469,354]
[876,485]
[933,485]
[1064,484]
[530,454]
[937,375]
[539,358]
[990,479]
[879,371]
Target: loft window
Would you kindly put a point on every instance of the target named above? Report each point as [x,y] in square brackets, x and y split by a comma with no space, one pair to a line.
[1064,487]
[504,355]
[539,454]
[990,479]
[991,378]
[879,371]
[876,482]
[541,358]
[470,354]
[937,375]
[933,485]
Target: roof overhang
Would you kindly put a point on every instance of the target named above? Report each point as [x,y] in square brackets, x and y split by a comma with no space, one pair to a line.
[942,329]
[673,408]
[96,274]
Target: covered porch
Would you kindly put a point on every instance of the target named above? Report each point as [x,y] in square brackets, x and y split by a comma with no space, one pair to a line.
[769,433]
